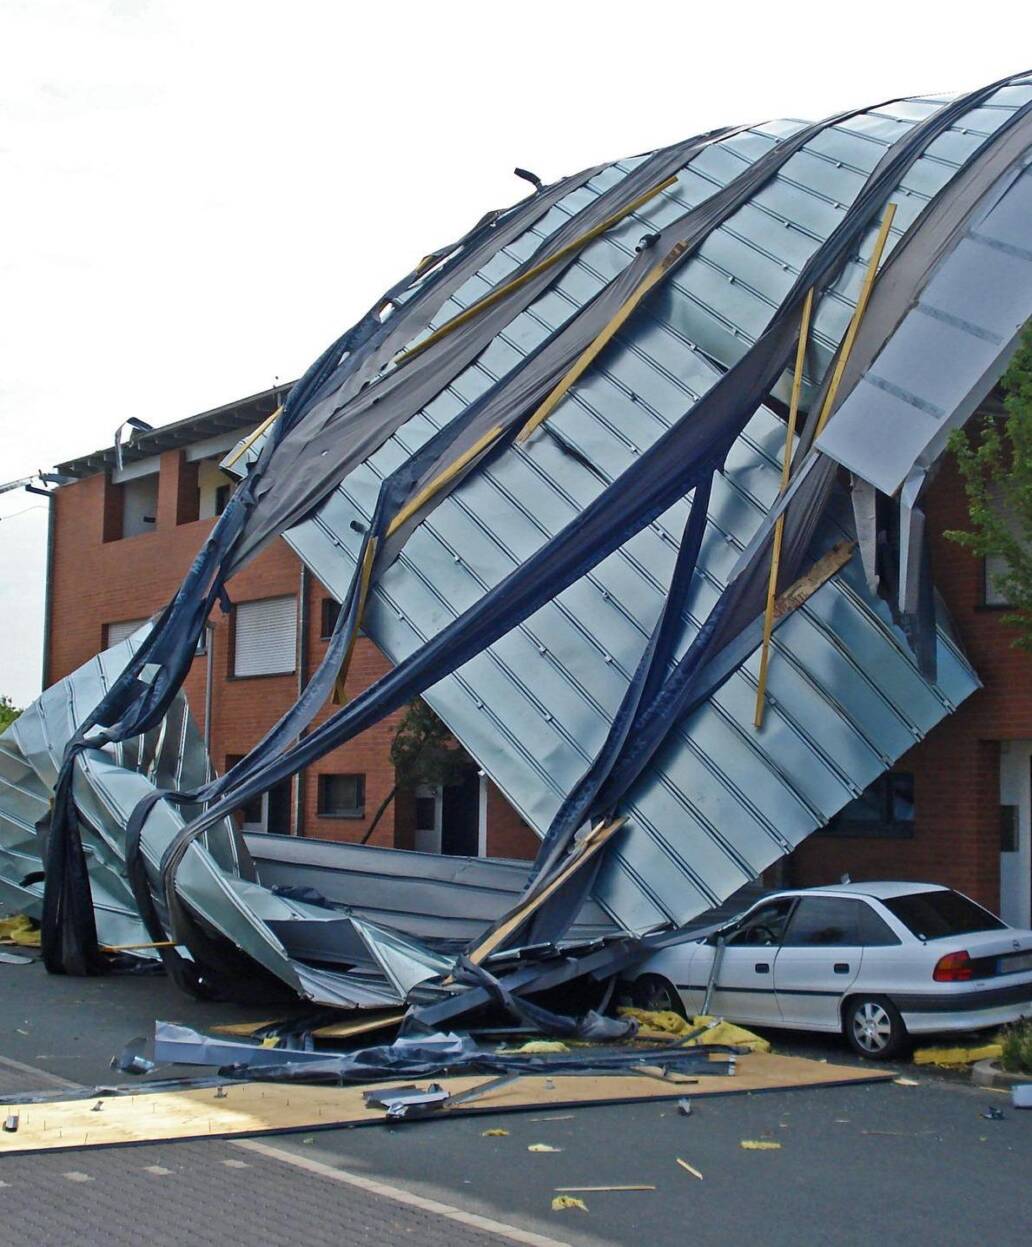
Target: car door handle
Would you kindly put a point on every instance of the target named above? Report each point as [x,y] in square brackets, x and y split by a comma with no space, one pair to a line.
[841,967]
[763,967]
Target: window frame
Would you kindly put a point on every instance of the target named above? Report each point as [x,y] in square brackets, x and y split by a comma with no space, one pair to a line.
[352,813]
[805,903]
[887,827]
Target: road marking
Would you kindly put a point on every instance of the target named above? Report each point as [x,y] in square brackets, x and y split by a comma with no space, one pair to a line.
[159,1170]
[236,1164]
[401,1196]
[76,1176]
[22,1068]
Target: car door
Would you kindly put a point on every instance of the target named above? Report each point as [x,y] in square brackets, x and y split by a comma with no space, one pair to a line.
[819,958]
[744,991]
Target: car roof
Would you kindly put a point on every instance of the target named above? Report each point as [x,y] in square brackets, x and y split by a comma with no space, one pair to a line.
[880,889]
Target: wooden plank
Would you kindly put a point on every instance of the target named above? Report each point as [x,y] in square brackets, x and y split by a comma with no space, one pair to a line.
[271,1108]
[596,839]
[779,523]
[493,297]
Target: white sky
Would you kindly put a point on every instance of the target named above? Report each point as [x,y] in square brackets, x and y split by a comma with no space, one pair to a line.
[198,195]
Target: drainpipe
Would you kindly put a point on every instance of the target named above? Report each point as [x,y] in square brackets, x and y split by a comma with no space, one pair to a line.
[302,679]
[209,671]
[48,591]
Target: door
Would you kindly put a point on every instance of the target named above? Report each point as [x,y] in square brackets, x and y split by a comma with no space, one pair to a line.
[460,816]
[818,959]
[744,991]
[429,818]
[1016,832]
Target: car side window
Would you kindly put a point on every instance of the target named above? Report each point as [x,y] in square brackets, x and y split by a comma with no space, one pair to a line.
[764,926]
[875,932]
[824,922]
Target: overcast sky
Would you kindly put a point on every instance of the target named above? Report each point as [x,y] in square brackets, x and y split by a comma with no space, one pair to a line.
[199,196]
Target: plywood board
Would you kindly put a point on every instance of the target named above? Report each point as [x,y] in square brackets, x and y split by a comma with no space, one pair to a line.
[271,1108]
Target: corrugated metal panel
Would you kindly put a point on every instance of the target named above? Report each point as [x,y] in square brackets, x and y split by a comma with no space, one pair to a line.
[723,801]
[947,352]
[265,637]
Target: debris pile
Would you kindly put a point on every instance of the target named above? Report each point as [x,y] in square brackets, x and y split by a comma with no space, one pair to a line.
[628,482]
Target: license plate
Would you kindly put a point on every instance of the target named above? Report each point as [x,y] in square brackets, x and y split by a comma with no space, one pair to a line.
[1014,964]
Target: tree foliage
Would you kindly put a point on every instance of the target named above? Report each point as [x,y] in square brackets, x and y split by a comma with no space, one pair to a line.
[8,712]
[424,751]
[995,461]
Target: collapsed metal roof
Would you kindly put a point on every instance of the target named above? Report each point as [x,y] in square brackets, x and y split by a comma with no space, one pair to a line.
[582,603]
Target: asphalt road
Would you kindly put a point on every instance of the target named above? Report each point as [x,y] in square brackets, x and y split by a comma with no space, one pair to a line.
[880,1162]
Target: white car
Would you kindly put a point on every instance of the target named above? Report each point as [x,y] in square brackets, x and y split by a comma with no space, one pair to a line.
[876,961]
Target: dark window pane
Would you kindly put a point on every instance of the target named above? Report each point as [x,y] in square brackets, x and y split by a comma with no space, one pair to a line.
[252,812]
[764,926]
[824,921]
[884,808]
[342,796]
[222,493]
[330,614]
[900,785]
[875,932]
[938,915]
[426,813]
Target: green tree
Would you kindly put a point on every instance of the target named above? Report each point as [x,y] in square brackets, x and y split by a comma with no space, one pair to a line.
[995,461]
[423,751]
[8,712]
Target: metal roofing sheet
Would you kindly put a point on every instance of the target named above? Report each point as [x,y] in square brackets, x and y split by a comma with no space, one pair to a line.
[722,801]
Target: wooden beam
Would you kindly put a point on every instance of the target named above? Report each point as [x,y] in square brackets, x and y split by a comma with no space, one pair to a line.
[494,296]
[779,524]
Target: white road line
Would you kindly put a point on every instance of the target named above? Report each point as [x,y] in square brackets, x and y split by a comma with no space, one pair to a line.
[22,1068]
[400,1195]
[76,1176]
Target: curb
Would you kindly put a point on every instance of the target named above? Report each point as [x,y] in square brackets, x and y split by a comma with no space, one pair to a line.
[988,1074]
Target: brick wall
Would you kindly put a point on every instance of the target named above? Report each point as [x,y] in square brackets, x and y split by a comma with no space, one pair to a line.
[96,582]
[956,768]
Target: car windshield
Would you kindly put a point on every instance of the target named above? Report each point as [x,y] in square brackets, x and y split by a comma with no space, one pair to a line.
[939,915]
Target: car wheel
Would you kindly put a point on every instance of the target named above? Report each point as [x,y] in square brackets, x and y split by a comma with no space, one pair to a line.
[873,1027]
[657,995]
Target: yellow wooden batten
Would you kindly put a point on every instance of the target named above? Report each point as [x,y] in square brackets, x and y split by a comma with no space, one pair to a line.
[494,296]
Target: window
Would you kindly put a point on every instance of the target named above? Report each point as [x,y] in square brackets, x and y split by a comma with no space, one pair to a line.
[885,808]
[824,921]
[342,796]
[222,493]
[941,914]
[117,632]
[995,568]
[265,637]
[330,615]
[269,812]
[764,926]
[875,932]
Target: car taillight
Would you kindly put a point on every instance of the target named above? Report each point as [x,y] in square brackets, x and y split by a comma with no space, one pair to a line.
[954,968]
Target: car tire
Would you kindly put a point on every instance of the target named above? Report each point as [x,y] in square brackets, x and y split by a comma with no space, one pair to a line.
[657,995]
[873,1027]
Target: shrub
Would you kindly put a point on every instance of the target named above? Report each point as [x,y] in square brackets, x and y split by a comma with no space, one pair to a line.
[1017,1048]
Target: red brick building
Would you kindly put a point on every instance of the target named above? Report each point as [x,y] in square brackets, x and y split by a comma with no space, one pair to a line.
[956,809]
[121,541]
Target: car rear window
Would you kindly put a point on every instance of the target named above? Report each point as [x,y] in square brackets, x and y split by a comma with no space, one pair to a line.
[938,915]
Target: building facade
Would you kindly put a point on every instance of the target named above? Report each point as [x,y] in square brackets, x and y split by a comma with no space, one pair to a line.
[122,538]
[957,809]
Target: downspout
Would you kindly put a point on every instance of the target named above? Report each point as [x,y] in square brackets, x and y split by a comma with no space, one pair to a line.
[48,594]
[209,671]
[302,677]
